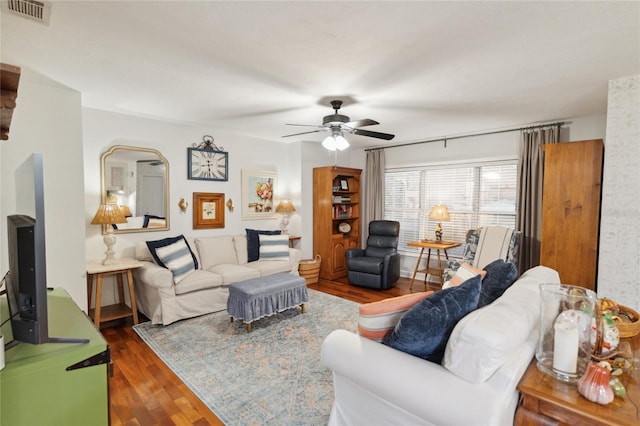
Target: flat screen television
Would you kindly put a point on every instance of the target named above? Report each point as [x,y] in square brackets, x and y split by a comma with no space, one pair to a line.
[26,283]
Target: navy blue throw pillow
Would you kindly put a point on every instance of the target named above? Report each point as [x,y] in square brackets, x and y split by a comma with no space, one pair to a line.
[153,245]
[253,243]
[424,330]
[500,276]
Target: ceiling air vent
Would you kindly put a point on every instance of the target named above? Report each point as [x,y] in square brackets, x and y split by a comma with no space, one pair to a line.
[39,11]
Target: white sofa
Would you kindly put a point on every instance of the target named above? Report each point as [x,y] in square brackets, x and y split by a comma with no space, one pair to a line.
[486,355]
[221,260]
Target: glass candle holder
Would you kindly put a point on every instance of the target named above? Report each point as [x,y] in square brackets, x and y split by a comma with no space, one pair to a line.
[564,345]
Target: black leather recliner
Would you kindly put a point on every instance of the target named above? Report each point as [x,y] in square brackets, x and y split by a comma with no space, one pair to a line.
[377,266]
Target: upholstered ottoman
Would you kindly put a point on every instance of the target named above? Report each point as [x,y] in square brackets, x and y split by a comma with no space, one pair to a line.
[261,297]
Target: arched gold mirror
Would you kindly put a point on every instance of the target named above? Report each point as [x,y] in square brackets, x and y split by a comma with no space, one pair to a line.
[137,179]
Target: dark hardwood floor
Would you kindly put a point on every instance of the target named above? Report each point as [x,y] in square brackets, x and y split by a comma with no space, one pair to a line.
[144,391]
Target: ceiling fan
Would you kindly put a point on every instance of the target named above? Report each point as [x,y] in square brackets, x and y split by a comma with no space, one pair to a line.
[337,124]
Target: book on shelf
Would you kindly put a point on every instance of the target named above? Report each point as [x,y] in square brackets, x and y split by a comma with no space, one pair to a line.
[341,212]
[339,199]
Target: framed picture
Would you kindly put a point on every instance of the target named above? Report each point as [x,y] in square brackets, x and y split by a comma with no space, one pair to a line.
[207,164]
[117,177]
[258,189]
[344,185]
[208,210]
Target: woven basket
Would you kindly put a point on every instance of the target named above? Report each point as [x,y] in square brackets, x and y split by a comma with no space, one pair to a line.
[309,269]
[628,329]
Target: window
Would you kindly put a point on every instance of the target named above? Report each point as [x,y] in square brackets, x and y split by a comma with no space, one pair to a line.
[479,194]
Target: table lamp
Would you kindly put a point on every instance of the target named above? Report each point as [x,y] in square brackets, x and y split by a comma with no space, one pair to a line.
[286,208]
[109,214]
[439,213]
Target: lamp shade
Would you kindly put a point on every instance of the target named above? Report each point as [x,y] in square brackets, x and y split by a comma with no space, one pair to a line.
[126,211]
[108,214]
[439,213]
[285,206]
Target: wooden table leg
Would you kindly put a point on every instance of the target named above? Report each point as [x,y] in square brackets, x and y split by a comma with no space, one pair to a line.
[441,269]
[132,297]
[120,287]
[96,314]
[426,269]
[415,271]
[89,291]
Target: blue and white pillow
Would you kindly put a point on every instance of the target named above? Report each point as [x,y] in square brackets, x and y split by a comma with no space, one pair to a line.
[175,255]
[253,242]
[274,247]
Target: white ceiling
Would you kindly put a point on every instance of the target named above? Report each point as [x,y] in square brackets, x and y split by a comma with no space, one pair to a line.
[422,69]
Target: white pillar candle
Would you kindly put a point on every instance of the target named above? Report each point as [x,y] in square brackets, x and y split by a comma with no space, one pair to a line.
[565,347]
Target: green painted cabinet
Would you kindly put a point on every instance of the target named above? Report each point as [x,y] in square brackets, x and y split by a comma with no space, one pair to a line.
[56,383]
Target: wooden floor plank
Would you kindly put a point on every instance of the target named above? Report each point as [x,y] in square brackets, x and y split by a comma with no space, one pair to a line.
[144,391]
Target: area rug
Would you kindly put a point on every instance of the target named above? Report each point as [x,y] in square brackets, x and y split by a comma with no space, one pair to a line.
[270,376]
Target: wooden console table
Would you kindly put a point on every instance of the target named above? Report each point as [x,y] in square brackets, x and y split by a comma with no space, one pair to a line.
[123,266]
[547,401]
[437,246]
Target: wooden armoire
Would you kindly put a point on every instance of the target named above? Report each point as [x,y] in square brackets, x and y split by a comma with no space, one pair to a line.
[572,187]
[336,217]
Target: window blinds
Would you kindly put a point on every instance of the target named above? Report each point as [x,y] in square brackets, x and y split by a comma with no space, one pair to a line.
[479,194]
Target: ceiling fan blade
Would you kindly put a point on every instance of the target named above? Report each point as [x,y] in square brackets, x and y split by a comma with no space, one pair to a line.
[385,136]
[303,125]
[304,133]
[361,123]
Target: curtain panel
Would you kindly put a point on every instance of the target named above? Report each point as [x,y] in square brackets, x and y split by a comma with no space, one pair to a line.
[530,174]
[374,190]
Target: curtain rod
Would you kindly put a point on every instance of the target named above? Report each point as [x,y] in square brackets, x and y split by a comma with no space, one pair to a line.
[445,139]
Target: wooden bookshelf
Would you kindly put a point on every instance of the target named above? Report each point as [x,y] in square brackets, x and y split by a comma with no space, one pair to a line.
[336,201]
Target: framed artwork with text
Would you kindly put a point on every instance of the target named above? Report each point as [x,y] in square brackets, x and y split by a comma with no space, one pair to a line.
[208,210]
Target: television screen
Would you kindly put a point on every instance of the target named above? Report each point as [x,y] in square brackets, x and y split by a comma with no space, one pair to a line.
[26,283]
[27,279]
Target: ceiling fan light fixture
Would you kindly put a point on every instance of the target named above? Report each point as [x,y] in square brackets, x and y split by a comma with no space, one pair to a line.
[334,142]
[341,143]
[330,143]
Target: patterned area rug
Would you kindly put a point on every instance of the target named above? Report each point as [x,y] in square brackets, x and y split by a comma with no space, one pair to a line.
[271,376]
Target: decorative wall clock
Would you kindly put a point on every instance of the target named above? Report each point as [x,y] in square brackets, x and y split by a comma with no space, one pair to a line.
[208,162]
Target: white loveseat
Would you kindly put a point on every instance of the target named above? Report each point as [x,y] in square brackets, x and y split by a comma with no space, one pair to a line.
[221,260]
[486,356]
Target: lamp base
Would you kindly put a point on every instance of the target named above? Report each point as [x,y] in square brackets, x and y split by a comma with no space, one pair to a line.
[284,224]
[438,232]
[109,240]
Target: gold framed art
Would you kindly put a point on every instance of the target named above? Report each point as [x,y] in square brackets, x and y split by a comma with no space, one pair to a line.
[208,210]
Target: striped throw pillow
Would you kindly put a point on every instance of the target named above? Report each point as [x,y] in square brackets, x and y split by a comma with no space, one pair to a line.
[377,319]
[274,247]
[178,258]
[464,272]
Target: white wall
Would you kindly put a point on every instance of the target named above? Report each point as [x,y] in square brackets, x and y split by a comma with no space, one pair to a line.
[618,267]
[47,119]
[104,129]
